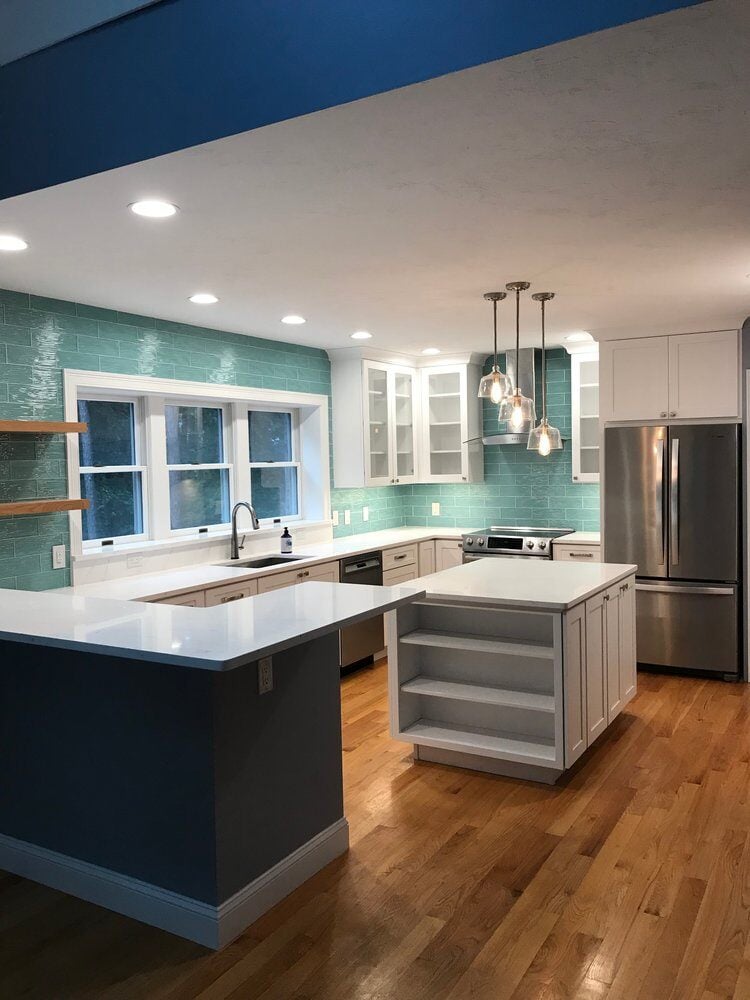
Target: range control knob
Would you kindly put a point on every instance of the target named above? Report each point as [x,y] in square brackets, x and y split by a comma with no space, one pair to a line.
[542,545]
[480,541]
[529,544]
[469,541]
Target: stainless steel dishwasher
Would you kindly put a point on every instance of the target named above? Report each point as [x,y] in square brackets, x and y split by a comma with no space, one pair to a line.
[358,643]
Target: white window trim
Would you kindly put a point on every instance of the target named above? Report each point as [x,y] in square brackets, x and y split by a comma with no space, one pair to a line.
[312,444]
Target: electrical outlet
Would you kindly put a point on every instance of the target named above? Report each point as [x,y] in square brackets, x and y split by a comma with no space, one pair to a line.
[58,557]
[265,675]
[335,518]
[365,513]
[347,517]
[435,509]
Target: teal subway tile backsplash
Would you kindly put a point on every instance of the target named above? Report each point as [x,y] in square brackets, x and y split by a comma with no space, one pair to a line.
[39,337]
[520,487]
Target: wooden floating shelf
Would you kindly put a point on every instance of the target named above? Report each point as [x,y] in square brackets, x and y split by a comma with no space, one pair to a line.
[41,506]
[43,426]
[478,694]
[477,644]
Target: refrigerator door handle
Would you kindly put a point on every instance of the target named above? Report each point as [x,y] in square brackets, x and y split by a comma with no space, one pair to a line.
[660,495]
[666,588]
[674,503]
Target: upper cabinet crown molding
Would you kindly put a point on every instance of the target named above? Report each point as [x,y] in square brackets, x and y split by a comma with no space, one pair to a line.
[685,376]
[366,353]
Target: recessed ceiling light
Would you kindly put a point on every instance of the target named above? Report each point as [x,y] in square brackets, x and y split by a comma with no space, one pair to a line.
[152,208]
[361,335]
[575,338]
[203,299]
[431,350]
[12,243]
[293,320]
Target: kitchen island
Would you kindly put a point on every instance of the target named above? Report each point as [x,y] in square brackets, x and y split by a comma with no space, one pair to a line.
[179,765]
[513,666]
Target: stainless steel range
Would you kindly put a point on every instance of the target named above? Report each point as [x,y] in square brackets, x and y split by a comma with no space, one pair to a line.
[518,543]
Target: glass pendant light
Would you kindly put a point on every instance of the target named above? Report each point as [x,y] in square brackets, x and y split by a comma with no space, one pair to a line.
[516,410]
[544,438]
[495,386]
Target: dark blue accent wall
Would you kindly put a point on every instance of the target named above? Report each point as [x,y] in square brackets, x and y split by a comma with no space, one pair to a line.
[184,72]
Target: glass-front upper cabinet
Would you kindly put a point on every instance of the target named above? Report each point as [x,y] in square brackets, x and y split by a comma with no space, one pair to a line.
[390,433]
[584,378]
[377,430]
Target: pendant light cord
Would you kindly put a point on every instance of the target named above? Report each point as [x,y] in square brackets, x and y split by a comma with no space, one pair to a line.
[494,312]
[518,340]
[544,370]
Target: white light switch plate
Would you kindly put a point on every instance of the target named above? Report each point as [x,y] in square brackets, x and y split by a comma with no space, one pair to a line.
[435,509]
[335,518]
[58,557]
[347,517]
[365,513]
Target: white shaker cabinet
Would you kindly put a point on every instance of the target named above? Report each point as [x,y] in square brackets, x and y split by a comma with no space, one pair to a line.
[684,376]
[634,379]
[448,552]
[704,375]
[596,672]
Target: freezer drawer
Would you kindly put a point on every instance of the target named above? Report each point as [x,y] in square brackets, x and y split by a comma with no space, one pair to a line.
[690,626]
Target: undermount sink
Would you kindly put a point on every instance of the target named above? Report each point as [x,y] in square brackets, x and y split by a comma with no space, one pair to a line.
[260,563]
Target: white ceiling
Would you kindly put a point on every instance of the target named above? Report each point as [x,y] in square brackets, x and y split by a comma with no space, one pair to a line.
[613,169]
[27,26]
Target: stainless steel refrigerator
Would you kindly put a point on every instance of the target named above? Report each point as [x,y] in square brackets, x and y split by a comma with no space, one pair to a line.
[671,505]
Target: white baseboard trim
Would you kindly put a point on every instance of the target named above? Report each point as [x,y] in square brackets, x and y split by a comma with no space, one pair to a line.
[212,926]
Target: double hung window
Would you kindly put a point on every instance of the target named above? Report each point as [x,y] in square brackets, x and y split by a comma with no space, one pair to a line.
[112,476]
[199,475]
[274,470]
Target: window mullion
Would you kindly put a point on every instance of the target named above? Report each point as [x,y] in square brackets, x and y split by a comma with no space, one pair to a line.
[156,459]
[240,443]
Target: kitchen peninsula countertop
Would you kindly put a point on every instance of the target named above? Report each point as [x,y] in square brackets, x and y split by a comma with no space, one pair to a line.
[219,638]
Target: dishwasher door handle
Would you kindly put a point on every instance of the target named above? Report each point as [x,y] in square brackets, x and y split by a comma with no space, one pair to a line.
[361,566]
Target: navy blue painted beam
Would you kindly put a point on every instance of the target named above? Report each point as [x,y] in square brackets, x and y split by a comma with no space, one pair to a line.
[184,72]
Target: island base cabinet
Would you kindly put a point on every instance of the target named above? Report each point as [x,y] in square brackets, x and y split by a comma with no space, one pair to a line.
[510,691]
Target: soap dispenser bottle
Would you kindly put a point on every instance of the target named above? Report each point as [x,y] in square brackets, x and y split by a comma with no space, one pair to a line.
[286,542]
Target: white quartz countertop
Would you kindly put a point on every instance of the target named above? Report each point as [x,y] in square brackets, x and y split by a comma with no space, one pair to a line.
[536,584]
[218,638]
[580,538]
[202,575]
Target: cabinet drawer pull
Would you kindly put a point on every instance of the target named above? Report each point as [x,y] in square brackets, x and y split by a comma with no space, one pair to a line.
[581,555]
[402,556]
[231,597]
[306,573]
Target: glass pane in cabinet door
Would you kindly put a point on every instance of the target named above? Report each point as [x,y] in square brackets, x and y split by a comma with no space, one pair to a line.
[590,460]
[404,425]
[377,407]
[444,405]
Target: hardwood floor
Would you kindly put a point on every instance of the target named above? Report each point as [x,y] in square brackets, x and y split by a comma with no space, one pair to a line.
[629,880]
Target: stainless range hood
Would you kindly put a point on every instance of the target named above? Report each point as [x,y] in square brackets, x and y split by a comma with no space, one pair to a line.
[528,385]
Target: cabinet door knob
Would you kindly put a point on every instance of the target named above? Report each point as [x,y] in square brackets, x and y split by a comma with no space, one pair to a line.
[606,597]
[663,413]
[673,413]
[575,477]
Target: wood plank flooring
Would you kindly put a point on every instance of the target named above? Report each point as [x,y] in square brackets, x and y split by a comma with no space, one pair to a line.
[629,880]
